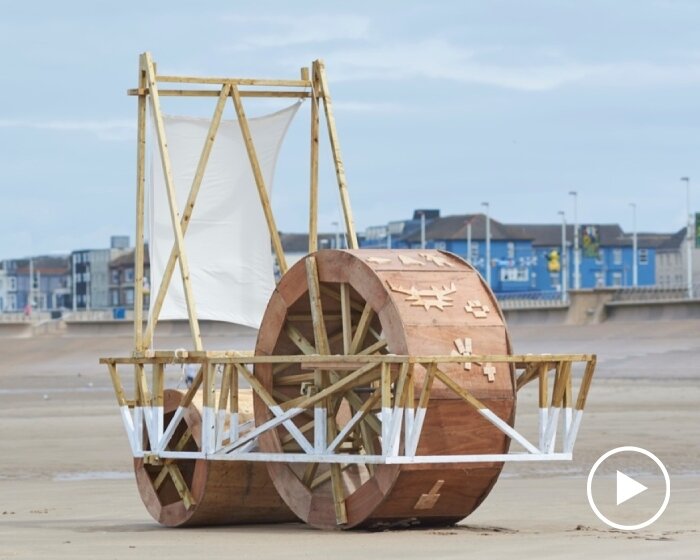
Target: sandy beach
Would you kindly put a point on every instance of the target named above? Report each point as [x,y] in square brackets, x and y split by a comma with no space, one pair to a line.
[67,489]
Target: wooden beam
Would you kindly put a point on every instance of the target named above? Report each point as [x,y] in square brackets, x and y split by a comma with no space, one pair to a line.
[543,392]
[362,326]
[215,93]
[158,383]
[320,78]
[157,304]
[117,384]
[234,81]
[586,383]
[140,205]
[320,334]
[313,196]
[346,314]
[172,200]
[259,181]
[180,485]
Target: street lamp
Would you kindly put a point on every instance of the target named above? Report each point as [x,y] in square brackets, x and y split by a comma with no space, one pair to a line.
[337,234]
[689,239]
[469,241]
[422,230]
[577,257]
[564,258]
[635,268]
[488,244]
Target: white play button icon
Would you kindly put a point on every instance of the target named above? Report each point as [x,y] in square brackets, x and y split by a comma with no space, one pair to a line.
[627,488]
[635,515]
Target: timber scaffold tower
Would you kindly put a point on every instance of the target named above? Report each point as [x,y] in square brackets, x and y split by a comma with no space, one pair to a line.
[382,388]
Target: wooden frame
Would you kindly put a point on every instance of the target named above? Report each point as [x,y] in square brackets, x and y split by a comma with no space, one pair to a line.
[388,422]
[312,84]
[397,414]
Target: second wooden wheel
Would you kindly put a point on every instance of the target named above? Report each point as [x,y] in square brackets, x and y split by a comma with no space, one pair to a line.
[378,302]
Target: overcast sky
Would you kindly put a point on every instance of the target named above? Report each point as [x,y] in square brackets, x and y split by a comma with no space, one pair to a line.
[438,104]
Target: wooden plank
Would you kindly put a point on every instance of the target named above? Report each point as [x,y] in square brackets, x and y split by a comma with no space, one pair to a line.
[295,379]
[169,357]
[225,387]
[299,339]
[560,383]
[158,383]
[362,326]
[543,389]
[313,188]
[143,395]
[568,389]
[320,78]
[157,304]
[531,371]
[301,94]
[320,334]
[259,180]
[186,399]
[140,206]
[427,386]
[346,314]
[324,477]
[172,200]
[233,81]
[386,386]
[376,347]
[233,391]
[460,391]
[117,384]
[586,383]
[180,445]
[160,479]
[257,386]
[180,485]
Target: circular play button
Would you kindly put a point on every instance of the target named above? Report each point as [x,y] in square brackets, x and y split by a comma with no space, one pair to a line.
[628,484]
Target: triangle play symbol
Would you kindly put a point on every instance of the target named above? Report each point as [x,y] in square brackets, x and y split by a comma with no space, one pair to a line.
[627,488]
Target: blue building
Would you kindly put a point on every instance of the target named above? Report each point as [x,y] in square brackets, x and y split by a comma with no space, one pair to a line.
[527,258]
[606,255]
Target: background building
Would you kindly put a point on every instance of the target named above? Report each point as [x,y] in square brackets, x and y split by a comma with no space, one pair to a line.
[35,284]
[90,274]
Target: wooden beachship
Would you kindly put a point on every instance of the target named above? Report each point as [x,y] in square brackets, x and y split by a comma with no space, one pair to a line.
[382,388]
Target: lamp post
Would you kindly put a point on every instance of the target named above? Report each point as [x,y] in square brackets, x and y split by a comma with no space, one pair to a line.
[689,239]
[564,259]
[469,241]
[577,256]
[635,268]
[337,234]
[422,230]
[488,244]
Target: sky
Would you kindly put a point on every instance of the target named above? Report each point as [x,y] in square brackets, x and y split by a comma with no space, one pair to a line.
[438,105]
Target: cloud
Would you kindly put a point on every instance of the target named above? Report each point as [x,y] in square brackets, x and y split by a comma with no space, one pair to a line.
[285,31]
[111,129]
[536,70]
[368,107]
[437,59]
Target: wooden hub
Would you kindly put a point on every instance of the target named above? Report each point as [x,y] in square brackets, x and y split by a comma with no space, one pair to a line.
[376,302]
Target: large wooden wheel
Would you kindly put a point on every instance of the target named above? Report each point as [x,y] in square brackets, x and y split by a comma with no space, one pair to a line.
[369,302]
[182,492]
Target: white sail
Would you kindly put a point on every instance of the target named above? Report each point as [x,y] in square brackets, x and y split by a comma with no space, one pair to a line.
[227,242]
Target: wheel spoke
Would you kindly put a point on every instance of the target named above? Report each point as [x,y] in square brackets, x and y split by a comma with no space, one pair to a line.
[346,313]
[320,334]
[362,327]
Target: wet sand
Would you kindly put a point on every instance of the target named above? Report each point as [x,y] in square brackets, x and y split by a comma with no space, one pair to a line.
[66,488]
